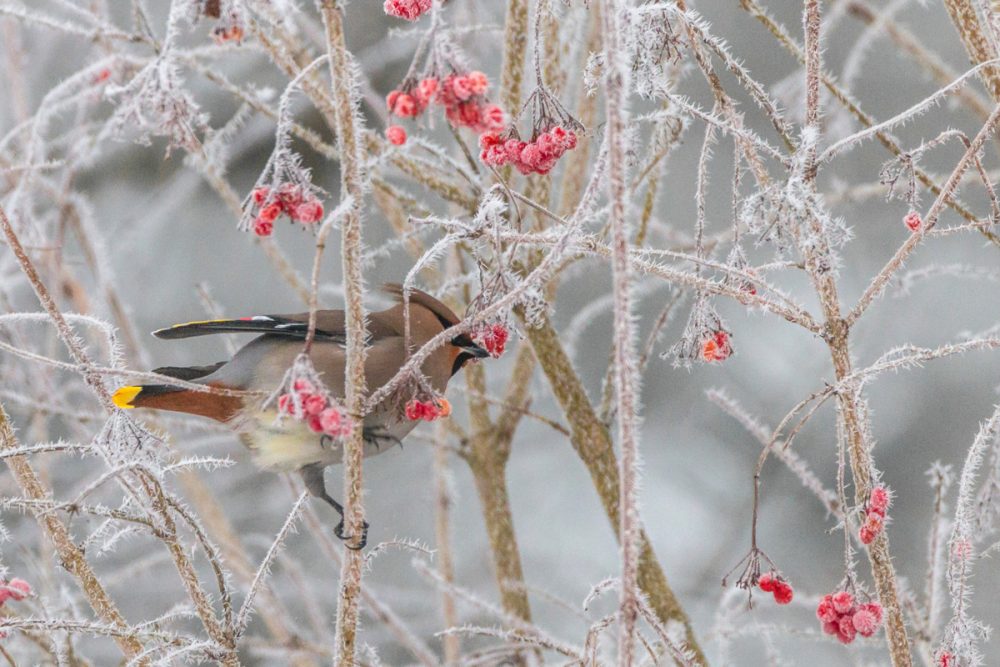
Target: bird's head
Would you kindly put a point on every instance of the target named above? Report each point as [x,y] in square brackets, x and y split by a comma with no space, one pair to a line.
[461,348]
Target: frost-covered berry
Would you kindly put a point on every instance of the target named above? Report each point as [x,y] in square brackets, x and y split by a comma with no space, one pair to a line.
[843,602]
[825,611]
[494,339]
[396,135]
[913,221]
[314,404]
[18,589]
[308,212]
[783,592]
[879,500]
[865,621]
[717,347]
[270,212]
[766,583]
[262,227]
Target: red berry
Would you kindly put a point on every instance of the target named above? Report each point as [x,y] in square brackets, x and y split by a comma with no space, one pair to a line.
[875,609]
[414,410]
[717,347]
[303,386]
[865,622]
[866,534]
[913,221]
[843,602]
[879,500]
[269,213]
[406,106]
[825,611]
[314,405]
[315,424]
[846,631]
[263,228]
[19,589]
[831,627]
[783,592]
[396,135]
[308,212]
[767,583]
[946,659]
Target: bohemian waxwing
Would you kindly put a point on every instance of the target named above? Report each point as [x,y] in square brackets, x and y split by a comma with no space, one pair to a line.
[261,365]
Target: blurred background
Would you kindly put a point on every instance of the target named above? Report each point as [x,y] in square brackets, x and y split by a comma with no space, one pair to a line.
[166,233]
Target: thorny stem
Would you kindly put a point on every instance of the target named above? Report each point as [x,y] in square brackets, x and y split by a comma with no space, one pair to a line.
[348,132]
[836,337]
[624,331]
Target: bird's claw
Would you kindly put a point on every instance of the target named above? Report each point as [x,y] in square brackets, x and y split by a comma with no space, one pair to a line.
[339,532]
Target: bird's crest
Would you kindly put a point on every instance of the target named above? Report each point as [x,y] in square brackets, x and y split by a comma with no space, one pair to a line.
[445,314]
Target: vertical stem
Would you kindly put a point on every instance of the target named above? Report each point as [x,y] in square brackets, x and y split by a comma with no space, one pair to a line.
[836,337]
[348,132]
[442,533]
[624,332]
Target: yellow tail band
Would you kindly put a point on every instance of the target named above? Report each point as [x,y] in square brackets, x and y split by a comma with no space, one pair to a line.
[124,396]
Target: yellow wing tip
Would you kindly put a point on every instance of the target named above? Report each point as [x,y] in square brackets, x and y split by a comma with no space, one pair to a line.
[124,396]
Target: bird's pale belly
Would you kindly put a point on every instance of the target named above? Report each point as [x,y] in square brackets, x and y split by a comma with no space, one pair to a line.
[291,445]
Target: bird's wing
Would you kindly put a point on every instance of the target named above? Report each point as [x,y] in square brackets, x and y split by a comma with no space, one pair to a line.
[328,327]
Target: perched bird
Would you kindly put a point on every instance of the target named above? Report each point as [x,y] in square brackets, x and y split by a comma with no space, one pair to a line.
[260,365]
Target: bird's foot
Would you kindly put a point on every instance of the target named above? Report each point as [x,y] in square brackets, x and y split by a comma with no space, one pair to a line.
[373,435]
[339,532]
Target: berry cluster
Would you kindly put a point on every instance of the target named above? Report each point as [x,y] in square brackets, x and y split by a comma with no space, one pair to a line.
[461,95]
[537,156]
[717,346]
[878,505]
[428,410]
[493,338]
[774,583]
[290,199]
[315,409]
[913,221]
[842,616]
[410,10]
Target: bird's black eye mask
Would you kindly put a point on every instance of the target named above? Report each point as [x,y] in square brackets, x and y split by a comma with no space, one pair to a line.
[469,351]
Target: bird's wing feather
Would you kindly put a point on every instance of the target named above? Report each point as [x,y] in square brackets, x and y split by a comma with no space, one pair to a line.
[291,326]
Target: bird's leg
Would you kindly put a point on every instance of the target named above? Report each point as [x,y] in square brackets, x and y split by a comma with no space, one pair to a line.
[312,475]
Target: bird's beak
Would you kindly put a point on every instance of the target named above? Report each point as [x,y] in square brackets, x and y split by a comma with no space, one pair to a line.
[476,351]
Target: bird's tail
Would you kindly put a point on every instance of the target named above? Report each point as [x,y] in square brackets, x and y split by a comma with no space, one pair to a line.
[165,397]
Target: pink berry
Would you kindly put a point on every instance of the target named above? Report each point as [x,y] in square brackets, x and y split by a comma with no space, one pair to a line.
[314,405]
[331,421]
[427,89]
[825,611]
[945,659]
[913,221]
[414,410]
[843,602]
[286,404]
[846,629]
[396,135]
[260,195]
[308,212]
[314,423]
[406,106]
[879,500]
[303,386]
[875,609]
[263,228]
[783,592]
[270,212]
[865,622]
[866,534]
[831,627]
[478,82]
[19,589]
